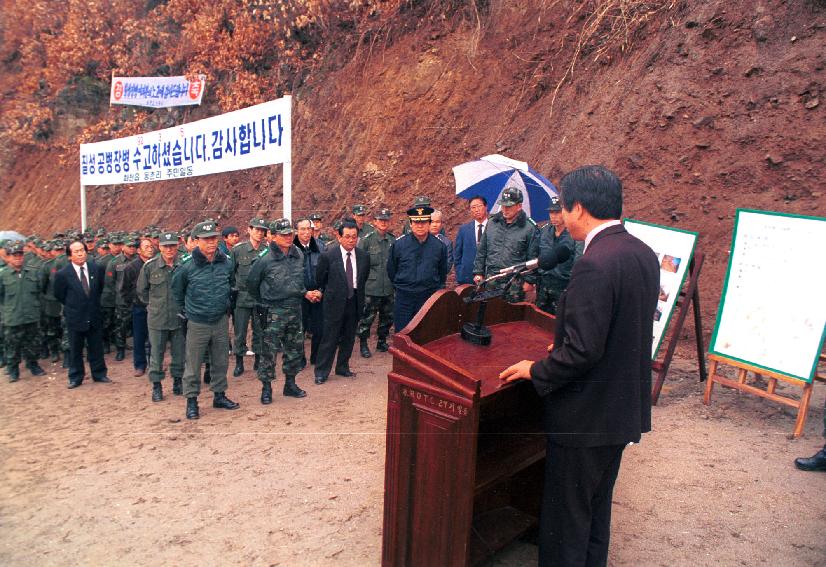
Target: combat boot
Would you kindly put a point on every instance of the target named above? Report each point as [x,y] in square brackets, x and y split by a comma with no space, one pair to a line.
[35,369]
[177,386]
[157,392]
[816,462]
[13,373]
[266,393]
[382,345]
[221,401]
[291,389]
[239,366]
[121,354]
[365,350]
[257,360]
[192,408]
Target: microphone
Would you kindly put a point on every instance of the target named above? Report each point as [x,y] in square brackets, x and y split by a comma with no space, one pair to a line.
[548,260]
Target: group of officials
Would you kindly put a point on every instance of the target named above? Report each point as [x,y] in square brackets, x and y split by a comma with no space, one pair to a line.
[287,280]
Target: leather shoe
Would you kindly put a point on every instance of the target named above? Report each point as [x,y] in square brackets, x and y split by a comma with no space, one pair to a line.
[120,355]
[239,366]
[102,379]
[816,462]
[157,392]
[382,345]
[319,379]
[35,369]
[192,408]
[266,393]
[177,386]
[347,373]
[364,349]
[74,383]
[292,390]
[221,401]
[140,372]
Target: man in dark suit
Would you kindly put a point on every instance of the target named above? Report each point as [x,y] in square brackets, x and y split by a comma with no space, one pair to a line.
[341,276]
[467,239]
[596,381]
[78,287]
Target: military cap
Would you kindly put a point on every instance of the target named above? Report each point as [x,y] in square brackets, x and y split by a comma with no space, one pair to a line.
[337,224]
[102,242]
[419,214]
[257,222]
[131,239]
[37,243]
[511,196]
[555,205]
[205,229]
[48,246]
[30,238]
[168,238]
[116,238]
[59,234]
[14,247]
[88,235]
[281,226]
[422,201]
[359,209]
[101,232]
[229,230]
[383,214]
[315,216]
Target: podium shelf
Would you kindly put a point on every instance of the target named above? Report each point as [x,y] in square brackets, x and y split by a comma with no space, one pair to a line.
[506,448]
[495,529]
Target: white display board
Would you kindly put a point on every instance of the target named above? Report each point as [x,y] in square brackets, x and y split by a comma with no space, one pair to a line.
[674,249]
[772,312]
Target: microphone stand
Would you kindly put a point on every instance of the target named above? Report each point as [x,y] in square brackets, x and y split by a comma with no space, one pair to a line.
[477,333]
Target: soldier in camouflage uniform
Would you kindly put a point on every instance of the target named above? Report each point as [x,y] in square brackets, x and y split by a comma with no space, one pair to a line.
[123,312]
[52,309]
[154,288]
[379,289]
[3,244]
[276,284]
[510,238]
[107,299]
[20,301]
[551,283]
[360,216]
[244,255]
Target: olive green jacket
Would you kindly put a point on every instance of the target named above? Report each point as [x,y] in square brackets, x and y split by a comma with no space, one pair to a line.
[244,256]
[154,288]
[20,295]
[378,247]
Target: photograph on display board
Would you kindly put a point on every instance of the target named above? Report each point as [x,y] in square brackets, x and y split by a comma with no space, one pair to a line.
[674,249]
[772,312]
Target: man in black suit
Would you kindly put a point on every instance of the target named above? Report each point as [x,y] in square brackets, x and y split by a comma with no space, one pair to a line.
[341,276]
[78,287]
[596,381]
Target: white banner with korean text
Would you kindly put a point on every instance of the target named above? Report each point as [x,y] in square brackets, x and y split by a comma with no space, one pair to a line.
[157,92]
[251,137]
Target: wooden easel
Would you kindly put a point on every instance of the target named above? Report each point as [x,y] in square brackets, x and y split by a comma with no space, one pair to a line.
[691,295]
[769,393]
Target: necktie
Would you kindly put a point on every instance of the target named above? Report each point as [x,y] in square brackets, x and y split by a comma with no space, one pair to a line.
[478,233]
[349,272]
[84,283]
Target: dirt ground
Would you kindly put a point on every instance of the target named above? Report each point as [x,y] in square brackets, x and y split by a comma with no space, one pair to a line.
[100,475]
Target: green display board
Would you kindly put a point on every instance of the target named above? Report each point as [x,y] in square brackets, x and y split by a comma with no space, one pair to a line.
[772,312]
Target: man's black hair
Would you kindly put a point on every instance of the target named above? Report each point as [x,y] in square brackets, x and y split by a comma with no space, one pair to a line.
[347,223]
[69,246]
[485,201]
[595,188]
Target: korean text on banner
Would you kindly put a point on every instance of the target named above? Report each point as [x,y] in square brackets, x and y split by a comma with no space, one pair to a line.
[157,92]
[251,137]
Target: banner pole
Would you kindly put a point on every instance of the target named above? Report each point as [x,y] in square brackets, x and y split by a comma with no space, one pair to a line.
[82,207]
[288,166]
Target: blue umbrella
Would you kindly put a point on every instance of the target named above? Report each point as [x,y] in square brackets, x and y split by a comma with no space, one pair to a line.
[490,175]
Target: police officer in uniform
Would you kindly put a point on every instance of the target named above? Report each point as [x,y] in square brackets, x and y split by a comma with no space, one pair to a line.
[322,238]
[20,302]
[276,283]
[511,237]
[379,288]
[154,288]
[202,285]
[244,254]
[551,283]
[417,266]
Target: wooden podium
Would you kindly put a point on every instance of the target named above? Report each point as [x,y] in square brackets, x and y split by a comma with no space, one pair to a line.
[465,452]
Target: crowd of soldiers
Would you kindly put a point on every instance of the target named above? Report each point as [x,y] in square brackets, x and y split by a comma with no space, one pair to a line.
[179,290]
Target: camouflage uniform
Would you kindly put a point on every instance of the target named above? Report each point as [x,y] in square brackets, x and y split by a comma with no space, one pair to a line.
[122,311]
[551,283]
[244,256]
[379,289]
[52,310]
[20,301]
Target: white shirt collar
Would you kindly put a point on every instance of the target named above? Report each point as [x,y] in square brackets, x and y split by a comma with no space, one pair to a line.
[85,267]
[597,229]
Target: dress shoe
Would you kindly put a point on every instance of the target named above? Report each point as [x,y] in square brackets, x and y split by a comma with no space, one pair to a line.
[347,373]
[291,389]
[221,401]
[55,356]
[816,462]
[65,359]
[319,379]
[120,355]
[257,361]
[192,408]
[74,383]
[35,369]
[13,373]
[364,349]
[266,393]
[139,372]
[382,345]
[239,366]
[157,392]
[177,386]
[102,380]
